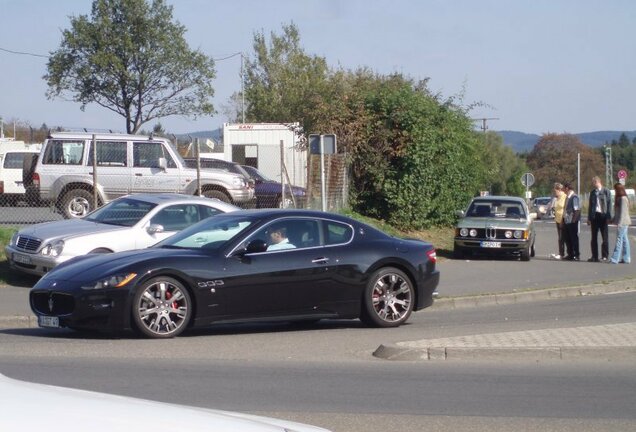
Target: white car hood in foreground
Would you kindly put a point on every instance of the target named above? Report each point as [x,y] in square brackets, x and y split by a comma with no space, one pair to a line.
[38,407]
[68,228]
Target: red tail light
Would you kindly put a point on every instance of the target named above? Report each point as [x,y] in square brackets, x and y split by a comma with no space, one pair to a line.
[36,179]
[432,255]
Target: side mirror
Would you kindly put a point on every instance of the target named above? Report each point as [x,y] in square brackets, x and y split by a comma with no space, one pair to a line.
[162,164]
[154,229]
[256,246]
[533,216]
[460,213]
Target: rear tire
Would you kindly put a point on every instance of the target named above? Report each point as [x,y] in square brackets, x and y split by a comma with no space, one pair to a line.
[77,203]
[388,298]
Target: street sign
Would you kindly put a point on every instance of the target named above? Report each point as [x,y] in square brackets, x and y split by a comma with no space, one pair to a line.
[328,145]
[527,179]
[622,174]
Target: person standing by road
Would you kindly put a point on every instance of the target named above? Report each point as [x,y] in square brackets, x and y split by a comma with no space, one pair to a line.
[571,218]
[622,220]
[558,205]
[598,216]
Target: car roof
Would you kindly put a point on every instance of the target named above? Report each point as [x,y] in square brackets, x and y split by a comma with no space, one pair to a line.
[103,135]
[275,212]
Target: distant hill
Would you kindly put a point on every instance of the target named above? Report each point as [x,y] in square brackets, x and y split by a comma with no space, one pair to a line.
[523,142]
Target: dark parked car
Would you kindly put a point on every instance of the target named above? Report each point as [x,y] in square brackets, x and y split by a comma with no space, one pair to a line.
[259,265]
[269,192]
[495,225]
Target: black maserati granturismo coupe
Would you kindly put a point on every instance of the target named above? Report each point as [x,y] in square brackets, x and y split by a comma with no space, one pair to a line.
[253,265]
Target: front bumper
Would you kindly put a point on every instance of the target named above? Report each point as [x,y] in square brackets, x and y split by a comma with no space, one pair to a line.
[478,245]
[241,196]
[31,263]
[81,309]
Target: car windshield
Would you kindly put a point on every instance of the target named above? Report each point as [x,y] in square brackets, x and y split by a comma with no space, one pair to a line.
[496,209]
[123,212]
[542,201]
[210,233]
[256,174]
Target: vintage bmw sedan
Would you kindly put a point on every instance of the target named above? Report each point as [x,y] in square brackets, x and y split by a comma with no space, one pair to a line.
[131,222]
[495,225]
[258,265]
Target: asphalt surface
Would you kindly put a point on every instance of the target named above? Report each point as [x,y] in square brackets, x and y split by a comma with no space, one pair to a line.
[483,282]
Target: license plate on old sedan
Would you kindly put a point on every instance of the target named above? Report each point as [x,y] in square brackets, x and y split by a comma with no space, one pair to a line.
[490,244]
[48,321]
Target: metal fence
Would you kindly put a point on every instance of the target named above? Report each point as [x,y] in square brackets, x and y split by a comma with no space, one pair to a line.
[294,182]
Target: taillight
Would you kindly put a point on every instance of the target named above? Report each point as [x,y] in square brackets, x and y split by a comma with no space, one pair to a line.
[36,179]
[432,255]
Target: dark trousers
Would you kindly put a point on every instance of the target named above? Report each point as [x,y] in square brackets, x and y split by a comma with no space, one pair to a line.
[561,238]
[599,223]
[571,232]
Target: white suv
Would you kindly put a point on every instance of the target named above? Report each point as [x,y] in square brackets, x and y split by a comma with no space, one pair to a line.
[64,173]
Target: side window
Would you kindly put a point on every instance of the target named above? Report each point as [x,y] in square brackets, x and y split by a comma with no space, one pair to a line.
[109,153]
[147,154]
[206,212]
[289,234]
[59,152]
[337,233]
[13,160]
[176,217]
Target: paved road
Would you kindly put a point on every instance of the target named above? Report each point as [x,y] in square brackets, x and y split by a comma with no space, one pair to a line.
[325,374]
[483,275]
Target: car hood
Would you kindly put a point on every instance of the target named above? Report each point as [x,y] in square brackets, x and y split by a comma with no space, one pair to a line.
[483,222]
[91,267]
[67,229]
[117,413]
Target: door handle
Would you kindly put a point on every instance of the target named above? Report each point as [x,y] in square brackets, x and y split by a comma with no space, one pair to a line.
[139,174]
[321,260]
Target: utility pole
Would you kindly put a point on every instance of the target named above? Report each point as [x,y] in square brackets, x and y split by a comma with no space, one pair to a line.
[242,91]
[609,169]
[484,120]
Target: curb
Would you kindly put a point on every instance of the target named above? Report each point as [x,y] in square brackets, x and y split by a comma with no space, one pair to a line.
[533,354]
[533,295]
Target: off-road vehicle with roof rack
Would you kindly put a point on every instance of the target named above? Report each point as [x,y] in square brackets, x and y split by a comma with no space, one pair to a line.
[64,172]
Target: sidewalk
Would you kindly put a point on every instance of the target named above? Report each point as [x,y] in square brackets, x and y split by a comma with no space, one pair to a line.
[613,342]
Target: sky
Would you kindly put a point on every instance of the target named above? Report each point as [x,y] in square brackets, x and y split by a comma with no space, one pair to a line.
[537,66]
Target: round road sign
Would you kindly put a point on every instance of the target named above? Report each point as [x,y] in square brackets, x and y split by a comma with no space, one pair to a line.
[622,174]
[527,179]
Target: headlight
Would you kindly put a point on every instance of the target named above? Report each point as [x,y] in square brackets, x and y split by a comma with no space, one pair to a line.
[518,234]
[542,209]
[114,281]
[240,182]
[463,232]
[508,234]
[473,232]
[53,249]
[14,239]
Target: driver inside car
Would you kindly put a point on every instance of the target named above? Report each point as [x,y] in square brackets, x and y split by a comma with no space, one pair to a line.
[278,239]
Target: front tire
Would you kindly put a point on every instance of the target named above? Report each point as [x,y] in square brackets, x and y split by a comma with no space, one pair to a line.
[218,195]
[388,298]
[77,203]
[525,254]
[162,308]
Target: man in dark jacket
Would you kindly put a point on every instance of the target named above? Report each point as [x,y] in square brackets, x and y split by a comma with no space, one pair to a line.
[598,216]
[571,218]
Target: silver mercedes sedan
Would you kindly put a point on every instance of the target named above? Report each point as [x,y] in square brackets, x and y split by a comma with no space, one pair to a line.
[130,222]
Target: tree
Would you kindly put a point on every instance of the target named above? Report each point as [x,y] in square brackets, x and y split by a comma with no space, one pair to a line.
[283,83]
[130,57]
[503,167]
[554,159]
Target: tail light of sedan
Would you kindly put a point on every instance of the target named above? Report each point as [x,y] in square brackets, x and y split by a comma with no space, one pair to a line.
[432,255]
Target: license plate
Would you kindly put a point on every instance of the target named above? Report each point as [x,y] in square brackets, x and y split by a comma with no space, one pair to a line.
[22,259]
[48,321]
[490,244]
